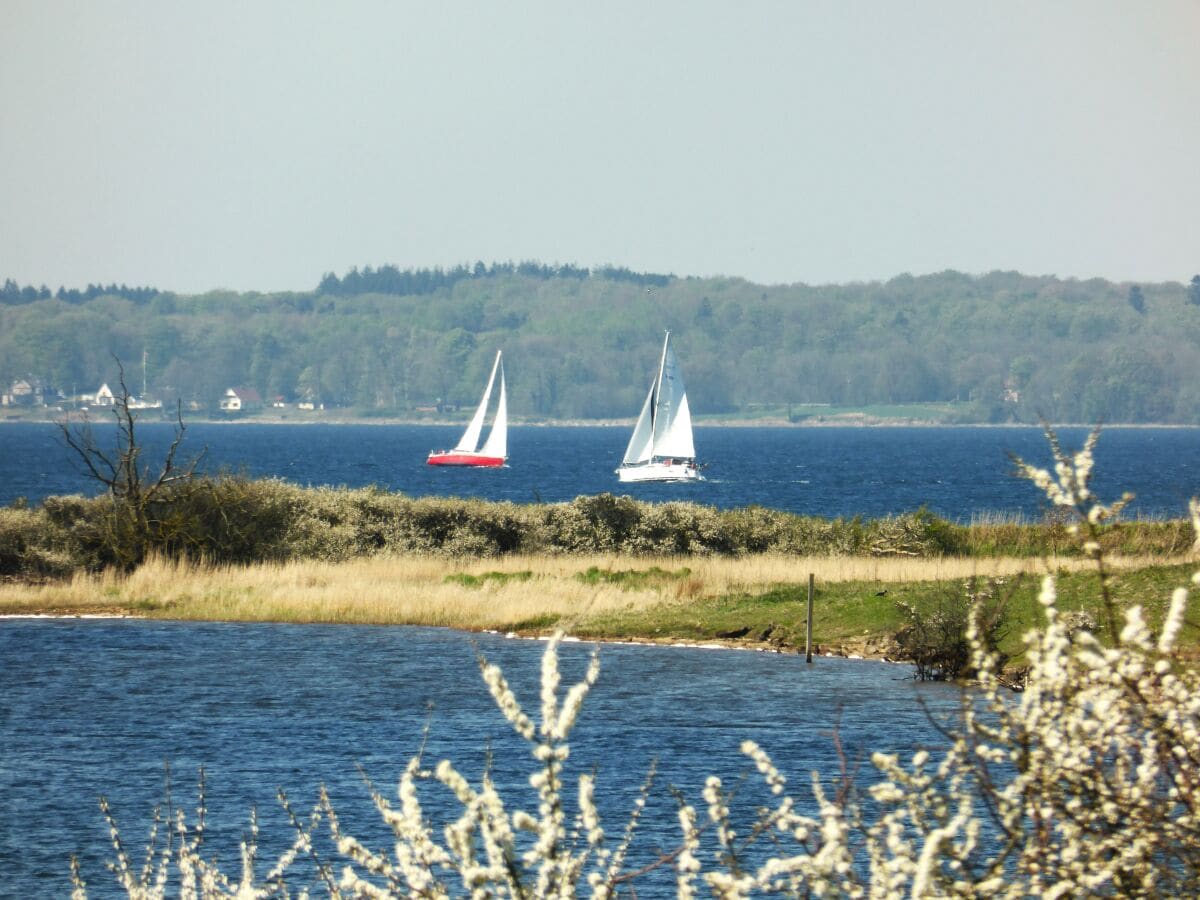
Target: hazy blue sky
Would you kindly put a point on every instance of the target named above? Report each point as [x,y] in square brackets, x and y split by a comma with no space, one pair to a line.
[257,145]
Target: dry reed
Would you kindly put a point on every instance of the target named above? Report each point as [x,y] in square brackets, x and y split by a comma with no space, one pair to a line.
[424,590]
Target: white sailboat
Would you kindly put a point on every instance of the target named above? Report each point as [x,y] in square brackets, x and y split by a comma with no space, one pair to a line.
[661,447]
[494,451]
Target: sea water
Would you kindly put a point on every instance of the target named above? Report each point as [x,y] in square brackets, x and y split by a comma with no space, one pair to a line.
[92,707]
[958,473]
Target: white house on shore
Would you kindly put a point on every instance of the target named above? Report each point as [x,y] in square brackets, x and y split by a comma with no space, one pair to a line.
[103,397]
[240,399]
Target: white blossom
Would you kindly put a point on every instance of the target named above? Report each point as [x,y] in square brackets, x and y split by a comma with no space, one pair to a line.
[1085,783]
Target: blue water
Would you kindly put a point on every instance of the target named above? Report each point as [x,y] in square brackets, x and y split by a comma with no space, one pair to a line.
[91,707]
[957,472]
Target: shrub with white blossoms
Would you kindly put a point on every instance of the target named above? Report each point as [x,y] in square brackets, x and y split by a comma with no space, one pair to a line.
[1085,784]
[480,853]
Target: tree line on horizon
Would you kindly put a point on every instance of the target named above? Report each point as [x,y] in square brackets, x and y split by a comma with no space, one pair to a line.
[583,343]
[12,293]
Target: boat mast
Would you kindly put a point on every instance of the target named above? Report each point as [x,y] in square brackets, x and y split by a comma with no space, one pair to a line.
[662,364]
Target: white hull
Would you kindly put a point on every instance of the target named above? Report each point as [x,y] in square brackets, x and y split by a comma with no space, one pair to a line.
[660,471]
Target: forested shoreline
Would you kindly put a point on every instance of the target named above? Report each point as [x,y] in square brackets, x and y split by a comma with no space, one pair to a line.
[580,344]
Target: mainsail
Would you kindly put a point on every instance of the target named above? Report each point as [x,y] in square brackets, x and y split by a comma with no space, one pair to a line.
[673,419]
[469,442]
[497,441]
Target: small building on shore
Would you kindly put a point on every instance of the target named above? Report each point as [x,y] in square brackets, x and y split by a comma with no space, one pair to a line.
[21,392]
[29,393]
[240,399]
[103,397]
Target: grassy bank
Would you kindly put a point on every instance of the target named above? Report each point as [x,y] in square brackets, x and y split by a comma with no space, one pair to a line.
[232,548]
[754,601]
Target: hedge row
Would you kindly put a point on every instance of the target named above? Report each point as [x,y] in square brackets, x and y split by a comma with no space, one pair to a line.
[238,520]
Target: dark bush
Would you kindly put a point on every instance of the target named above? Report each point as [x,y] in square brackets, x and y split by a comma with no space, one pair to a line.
[934,637]
[919,533]
[235,520]
[22,552]
[229,519]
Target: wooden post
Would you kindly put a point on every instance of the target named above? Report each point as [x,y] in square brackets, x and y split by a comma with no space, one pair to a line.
[808,636]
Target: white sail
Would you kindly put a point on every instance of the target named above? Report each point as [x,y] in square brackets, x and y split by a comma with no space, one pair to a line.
[641,443]
[497,441]
[673,419]
[470,439]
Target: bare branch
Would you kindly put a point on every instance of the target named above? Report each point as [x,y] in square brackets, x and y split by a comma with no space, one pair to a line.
[135,524]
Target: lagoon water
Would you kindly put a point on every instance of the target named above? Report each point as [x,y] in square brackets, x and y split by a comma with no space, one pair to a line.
[91,707]
[958,473]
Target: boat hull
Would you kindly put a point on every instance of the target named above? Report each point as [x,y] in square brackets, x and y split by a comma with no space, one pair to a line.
[474,460]
[660,471]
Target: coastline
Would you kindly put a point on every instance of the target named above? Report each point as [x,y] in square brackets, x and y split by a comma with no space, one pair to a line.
[847,420]
[752,604]
[865,650]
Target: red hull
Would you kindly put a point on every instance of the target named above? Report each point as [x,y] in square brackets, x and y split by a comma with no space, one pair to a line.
[450,458]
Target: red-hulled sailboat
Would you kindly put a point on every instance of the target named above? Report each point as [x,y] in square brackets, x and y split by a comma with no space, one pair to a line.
[494,451]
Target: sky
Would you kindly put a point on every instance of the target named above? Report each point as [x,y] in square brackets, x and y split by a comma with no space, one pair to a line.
[256,146]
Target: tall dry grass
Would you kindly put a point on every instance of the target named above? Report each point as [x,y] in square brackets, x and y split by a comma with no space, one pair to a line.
[423,590]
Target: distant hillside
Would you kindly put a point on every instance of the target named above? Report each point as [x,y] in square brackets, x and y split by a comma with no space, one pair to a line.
[583,343]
